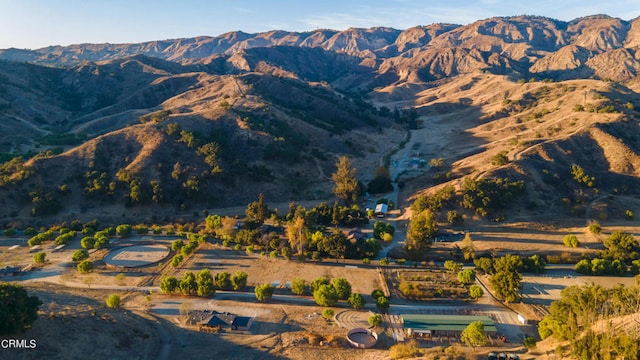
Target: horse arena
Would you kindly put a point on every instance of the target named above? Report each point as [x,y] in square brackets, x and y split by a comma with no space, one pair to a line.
[137,256]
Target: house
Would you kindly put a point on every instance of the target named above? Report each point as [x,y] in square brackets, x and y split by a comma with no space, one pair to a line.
[228,320]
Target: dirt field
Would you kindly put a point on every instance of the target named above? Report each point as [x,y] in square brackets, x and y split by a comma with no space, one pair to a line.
[278,272]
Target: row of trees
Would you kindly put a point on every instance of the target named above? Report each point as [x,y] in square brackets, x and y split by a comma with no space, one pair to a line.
[203,283]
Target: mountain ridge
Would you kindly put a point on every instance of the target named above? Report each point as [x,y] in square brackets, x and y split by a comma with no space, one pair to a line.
[173,125]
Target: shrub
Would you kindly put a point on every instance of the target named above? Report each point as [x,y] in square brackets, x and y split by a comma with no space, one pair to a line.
[452,265]
[570,241]
[80,255]
[299,286]
[529,342]
[113,301]
[594,227]
[264,292]
[327,314]
[376,293]
[404,350]
[85,266]
[475,291]
[628,214]
[39,258]
[375,319]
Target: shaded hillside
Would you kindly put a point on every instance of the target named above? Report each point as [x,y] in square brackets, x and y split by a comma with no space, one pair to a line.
[240,135]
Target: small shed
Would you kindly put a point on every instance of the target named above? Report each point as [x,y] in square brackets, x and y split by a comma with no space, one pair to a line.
[381,210]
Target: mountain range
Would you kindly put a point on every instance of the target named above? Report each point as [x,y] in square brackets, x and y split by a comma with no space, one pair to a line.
[113,130]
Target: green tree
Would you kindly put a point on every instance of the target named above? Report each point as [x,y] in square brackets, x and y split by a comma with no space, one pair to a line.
[319,281]
[473,335]
[475,291]
[223,280]
[40,258]
[206,288]
[239,280]
[356,301]
[18,310]
[452,265]
[124,230]
[87,242]
[85,266]
[258,211]
[485,264]
[571,241]
[375,320]
[264,292]
[346,184]
[376,293]
[176,245]
[382,304]
[299,286]
[467,276]
[213,222]
[342,286]
[168,284]
[80,255]
[468,250]
[326,295]
[422,229]
[506,280]
[113,301]
[188,284]
[327,314]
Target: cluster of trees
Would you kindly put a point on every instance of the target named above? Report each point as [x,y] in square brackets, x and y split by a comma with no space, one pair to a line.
[579,308]
[18,310]
[488,195]
[621,250]
[383,231]
[203,283]
[505,273]
[328,292]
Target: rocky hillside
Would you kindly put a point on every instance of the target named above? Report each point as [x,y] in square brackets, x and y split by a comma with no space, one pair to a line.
[111,129]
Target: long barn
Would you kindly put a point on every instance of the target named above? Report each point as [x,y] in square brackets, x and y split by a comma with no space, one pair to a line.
[443,325]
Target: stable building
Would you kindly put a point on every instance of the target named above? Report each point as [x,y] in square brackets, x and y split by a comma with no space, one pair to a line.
[427,325]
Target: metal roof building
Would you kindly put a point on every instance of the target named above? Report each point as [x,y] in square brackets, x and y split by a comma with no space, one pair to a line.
[446,325]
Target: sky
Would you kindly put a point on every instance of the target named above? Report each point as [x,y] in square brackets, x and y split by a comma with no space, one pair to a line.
[32,24]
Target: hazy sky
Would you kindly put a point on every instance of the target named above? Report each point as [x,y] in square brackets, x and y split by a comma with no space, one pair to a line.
[37,23]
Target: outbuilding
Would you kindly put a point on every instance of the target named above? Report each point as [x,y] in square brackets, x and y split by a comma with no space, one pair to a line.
[427,325]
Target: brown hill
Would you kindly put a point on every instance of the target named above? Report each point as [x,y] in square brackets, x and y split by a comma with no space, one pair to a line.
[213,121]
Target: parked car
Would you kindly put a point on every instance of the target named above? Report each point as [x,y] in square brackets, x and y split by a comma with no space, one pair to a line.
[492,356]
